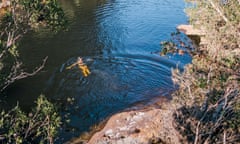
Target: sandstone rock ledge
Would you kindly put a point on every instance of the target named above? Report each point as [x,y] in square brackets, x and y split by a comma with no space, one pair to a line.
[151,125]
[4,3]
[189,30]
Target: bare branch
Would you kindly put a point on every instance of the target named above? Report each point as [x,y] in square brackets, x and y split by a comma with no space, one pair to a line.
[219,11]
[197,132]
[224,137]
[15,76]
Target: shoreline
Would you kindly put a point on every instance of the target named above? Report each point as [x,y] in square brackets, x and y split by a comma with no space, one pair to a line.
[139,124]
[151,123]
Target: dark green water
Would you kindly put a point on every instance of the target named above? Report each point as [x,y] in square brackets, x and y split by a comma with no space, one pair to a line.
[117,39]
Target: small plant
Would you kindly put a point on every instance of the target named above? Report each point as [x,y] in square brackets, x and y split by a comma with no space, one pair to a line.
[39,126]
[178,44]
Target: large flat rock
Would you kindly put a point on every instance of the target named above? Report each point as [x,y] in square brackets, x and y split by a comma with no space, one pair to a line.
[190,30]
[151,125]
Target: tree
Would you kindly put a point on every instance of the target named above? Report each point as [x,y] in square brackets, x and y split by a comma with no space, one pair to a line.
[20,17]
[39,126]
[209,88]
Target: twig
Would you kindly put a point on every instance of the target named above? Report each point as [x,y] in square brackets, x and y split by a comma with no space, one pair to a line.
[197,131]
[50,138]
[219,11]
[2,137]
[224,137]
[30,122]
[190,92]
[209,76]
[2,53]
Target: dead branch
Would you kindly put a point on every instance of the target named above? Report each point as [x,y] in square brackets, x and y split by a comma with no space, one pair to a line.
[14,76]
[197,133]
[50,138]
[224,137]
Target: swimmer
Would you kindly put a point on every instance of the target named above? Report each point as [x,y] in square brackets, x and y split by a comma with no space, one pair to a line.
[82,66]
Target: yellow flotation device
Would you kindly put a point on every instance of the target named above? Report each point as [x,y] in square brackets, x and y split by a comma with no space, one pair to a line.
[83,67]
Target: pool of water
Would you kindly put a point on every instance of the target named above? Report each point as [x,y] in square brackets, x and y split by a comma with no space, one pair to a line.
[118,41]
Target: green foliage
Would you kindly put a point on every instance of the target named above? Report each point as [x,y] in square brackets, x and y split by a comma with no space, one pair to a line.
[38,126]
[167,47]
[209,88]
[202,83]
[46,12]
[220,21]
[22,16]
[13,51]
[214,96]
[19,18]
[234,120]
[177,44]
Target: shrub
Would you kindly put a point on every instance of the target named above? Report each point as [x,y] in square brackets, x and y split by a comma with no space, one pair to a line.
[209,88]
[39,126]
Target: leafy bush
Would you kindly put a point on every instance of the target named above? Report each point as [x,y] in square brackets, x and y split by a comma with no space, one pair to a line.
[19,18]
[209,88]
[39,126]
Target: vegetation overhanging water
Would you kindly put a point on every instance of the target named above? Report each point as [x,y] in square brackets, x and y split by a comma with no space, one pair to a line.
[120,42]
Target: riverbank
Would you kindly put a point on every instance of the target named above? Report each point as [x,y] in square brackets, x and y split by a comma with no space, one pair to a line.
[149,124]
[209,88]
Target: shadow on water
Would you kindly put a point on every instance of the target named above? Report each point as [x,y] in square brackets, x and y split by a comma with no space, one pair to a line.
[116,39]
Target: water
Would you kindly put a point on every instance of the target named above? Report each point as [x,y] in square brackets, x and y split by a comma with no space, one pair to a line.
[117,39]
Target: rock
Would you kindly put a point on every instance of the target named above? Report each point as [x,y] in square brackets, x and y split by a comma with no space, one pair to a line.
[181,52]
[196,35]
[138,126]
[123,128]
[150,124]
[190,30]
[4,3]
[109,133]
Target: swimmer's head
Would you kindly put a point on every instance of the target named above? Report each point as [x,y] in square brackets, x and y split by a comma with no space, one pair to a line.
[79,59]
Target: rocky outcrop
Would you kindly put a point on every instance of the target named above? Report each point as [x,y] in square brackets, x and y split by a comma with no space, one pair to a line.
[138,127]
[189,30]
[197,35]
[4,3]
[151,125]
[3,7]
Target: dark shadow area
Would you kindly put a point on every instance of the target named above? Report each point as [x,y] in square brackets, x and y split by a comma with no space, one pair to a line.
[209,121]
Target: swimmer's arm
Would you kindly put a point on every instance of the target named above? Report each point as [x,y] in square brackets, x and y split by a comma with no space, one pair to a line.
[69,67]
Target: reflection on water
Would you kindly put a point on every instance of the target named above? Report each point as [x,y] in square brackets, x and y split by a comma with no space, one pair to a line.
[116,39]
